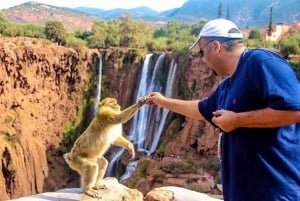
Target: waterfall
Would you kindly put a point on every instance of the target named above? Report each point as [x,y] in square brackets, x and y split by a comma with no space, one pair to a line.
[98,92]
[129,170]
[164,113]
[113,163]
[143,81]
[148,124]
[147,84]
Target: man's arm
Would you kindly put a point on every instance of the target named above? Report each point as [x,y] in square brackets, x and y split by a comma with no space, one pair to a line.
[263,118]
[188,108]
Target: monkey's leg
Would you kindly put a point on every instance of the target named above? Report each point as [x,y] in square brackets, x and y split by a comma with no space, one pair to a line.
[121,141]
[102,166]
[89,172]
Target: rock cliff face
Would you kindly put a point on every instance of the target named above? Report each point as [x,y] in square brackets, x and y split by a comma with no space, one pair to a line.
[41,88]
[41,91]
[190,146]
[199,81]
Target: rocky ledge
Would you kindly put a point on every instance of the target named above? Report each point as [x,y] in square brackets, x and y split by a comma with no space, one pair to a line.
[116,191]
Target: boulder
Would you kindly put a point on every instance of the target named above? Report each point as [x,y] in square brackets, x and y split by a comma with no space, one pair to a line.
[173,193]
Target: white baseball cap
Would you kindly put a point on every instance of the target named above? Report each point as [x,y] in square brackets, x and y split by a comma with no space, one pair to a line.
[218,28]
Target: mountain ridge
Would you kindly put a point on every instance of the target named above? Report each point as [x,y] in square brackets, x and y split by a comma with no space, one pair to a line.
[253,14]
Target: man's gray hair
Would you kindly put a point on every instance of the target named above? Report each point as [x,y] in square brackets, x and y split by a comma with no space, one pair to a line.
[229,43]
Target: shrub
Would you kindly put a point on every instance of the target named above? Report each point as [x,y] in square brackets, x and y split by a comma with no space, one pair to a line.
[177,168]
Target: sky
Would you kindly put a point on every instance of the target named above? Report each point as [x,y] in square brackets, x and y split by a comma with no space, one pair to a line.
[158,5]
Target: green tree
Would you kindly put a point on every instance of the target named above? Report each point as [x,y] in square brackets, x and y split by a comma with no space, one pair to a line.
[3,23]
[34,31]
[127,30]
[228,13]
[255,34]
[220,8]
[134,33]
[144,33]
[55,31]
[175,36]
[82,34]
[98,34]
[13,30]
[290,45]
[195,29]
[255,39]
[113,37]
[270,29]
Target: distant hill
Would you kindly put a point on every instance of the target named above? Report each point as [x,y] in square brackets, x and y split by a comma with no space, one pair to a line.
[254,13]
[139,12]
[37,13]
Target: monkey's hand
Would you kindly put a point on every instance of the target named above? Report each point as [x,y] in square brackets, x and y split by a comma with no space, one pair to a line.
[130,148]
[142,100]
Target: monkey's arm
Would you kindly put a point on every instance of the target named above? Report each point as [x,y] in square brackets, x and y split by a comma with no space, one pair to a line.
[128,113]
[123,142]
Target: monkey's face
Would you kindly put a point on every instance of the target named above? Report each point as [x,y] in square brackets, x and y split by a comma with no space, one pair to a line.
[110,102]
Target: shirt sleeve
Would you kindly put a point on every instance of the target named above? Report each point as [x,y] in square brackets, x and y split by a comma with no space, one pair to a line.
[276,83]
[209,104]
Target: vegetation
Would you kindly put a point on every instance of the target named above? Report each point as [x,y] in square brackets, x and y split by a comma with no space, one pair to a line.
[71,130]
[296,67]
[270,29]
[178,167]
[290,45]
[124,32]
[255,39]
[55,31]
[127,32]
[144,165]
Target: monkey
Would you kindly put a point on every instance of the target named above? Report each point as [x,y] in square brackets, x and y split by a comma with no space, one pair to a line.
[86,155]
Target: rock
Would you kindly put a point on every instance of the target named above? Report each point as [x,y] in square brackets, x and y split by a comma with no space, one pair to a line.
[114,192]
[119,192]
[159,194]
[172,193]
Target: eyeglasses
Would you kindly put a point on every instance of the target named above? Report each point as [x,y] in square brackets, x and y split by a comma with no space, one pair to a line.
[201,51]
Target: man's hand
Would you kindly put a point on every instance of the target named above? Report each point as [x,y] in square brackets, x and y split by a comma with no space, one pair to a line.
[155,98]
[225,120]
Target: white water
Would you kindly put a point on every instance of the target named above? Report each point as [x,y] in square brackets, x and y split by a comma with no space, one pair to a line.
[165,112]
[129,170]
[149,123]
[116,155]
[149,83]
[111,168]
[98,96]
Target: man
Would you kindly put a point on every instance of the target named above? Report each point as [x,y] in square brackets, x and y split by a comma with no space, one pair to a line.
[257,107]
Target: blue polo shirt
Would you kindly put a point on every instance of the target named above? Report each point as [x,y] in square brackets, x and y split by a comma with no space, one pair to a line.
[259,164]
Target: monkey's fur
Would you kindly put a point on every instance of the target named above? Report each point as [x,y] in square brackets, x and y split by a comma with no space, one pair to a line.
[86,156]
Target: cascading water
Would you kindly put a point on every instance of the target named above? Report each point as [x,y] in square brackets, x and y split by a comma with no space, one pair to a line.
[98,93]
[154,138]
[148,123]
[116,155]
[149,83]
[129,170]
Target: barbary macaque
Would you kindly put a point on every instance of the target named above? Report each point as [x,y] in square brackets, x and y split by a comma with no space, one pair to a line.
[87,154]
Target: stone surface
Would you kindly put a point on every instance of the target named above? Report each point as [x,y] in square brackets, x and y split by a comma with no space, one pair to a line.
[173,193]
[114,192]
